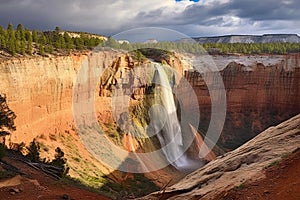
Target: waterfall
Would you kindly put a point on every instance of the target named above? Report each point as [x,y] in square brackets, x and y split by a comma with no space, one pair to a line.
[165,122]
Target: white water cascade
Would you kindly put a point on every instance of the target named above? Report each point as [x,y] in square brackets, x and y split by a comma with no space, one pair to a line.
[165,122]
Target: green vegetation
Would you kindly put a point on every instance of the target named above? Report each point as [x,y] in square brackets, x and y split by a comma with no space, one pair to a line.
[27,42]
[113,132]
[251,48]
[23,41]
[137,186]
[33,151]
[7,124]
[7,117]
[274,163]
[60,161]
[240,187]
[213,48]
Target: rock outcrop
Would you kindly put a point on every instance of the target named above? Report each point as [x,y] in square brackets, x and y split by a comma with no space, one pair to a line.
[243,165]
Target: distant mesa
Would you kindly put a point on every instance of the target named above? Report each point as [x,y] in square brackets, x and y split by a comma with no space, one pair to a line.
[151,41]
[266,38]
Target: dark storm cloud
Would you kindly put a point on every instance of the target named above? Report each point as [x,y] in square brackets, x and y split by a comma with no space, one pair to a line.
[208,17]
[267,9]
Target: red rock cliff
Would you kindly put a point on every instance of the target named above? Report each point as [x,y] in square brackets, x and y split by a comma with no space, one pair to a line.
[258,96]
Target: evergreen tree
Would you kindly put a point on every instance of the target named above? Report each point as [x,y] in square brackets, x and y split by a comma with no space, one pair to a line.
[23,49]
[41,50]
[11,39]
[60,161]
[34,36]
[68,41]
[57,29]
[29,44]
[7,117]
[33,151]
[21,31]
[18,46]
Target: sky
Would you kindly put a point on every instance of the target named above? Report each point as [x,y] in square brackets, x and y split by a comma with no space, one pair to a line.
[192,18]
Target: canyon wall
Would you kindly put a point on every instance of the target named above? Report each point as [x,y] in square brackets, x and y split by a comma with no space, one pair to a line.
[40,92]
[258,96]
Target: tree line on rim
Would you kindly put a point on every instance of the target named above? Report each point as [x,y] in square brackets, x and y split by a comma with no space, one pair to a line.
[27,42]
[24,41]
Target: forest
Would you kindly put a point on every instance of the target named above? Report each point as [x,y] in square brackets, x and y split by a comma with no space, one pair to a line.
[213,48]
[23,41]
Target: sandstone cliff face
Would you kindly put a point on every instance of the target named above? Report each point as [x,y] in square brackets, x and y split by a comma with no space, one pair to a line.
[40,91]
[243,165]
[258,96]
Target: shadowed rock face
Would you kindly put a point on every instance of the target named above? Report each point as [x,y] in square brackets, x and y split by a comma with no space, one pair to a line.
[258,96]
[245,164]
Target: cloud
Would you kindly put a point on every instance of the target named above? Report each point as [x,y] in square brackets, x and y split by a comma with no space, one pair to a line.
[206,17]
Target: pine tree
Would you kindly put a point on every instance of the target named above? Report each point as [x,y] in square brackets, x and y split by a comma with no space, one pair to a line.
[34,36]
[18,46]
[33,151]
[41,50]
[68,41]
[60,161]
[23,49]
[11,39]
[7,117]
[21,31]
[29,44]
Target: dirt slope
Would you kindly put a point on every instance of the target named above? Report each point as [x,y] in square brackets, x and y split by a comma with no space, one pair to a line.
[34,184]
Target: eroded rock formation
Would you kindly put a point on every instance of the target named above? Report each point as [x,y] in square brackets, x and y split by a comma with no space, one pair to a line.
[243,165]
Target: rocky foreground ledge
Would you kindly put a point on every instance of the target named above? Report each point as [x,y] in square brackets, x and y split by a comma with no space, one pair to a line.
[241,166]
